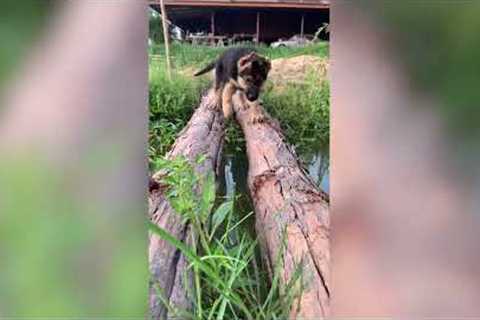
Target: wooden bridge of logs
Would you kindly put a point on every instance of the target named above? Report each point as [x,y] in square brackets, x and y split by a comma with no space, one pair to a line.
[291,213]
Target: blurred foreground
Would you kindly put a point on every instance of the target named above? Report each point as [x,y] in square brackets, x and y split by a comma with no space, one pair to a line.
[72,160]
[405,178]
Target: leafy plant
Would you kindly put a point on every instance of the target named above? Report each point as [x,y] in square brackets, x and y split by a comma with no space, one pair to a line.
[229,281]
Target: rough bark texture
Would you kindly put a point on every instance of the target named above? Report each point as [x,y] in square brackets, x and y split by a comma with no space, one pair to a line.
[292,214]
[203,135]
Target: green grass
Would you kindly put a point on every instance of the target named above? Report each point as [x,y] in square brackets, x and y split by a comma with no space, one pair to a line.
[188,55]
[302,109]
[230,281]
[171,105]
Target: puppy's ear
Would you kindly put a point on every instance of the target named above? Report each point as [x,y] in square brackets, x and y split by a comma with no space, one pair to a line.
[245,64]
[243,60]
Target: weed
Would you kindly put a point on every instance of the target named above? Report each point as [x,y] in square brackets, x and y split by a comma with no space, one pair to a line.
[227,267]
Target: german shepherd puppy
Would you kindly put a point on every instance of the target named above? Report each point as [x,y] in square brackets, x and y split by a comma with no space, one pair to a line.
[238,69]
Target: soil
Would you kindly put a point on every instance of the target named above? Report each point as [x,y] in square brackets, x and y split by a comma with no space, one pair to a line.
[287,70]
[296,69]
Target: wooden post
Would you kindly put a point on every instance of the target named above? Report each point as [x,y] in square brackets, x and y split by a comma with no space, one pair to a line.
[212,23]
[212,28]
[258,28]
[302,25]
[166,38]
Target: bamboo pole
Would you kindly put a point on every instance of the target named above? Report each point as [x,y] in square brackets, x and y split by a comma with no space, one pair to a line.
[258,27]
[302,25]
[212,23]
[166,38]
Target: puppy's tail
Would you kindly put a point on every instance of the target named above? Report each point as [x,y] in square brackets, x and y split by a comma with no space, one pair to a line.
[209,67]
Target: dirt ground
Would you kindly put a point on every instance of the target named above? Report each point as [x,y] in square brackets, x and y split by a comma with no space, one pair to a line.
[288,70]
[296,69]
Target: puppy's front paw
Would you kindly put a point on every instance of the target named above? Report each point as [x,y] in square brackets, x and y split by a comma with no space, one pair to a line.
[257,116]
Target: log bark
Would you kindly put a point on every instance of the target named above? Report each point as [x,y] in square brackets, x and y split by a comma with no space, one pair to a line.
[203,135]
[291,212]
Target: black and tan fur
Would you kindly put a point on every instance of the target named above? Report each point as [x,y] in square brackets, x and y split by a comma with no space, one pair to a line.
[238,69]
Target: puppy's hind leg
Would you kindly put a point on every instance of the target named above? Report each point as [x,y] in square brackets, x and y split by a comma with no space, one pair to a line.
[227,94]
[218,97]
[219,85]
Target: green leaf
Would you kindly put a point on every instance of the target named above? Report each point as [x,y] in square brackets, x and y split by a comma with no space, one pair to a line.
[191,256]
[196,261]
[208,197]
[220,214]
[201,158]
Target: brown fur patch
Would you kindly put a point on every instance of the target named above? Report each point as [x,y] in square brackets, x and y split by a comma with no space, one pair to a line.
[242,84]
[227,94]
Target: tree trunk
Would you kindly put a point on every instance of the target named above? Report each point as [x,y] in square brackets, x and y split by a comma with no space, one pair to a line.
[292,214]
[203,135]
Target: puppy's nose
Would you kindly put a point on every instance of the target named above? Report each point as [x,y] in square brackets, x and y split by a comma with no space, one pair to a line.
[252,96]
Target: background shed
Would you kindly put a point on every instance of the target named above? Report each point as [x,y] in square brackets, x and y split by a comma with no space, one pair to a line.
[262,20]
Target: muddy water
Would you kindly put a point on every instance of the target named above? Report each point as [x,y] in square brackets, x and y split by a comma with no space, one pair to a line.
[318,166]
[234,175]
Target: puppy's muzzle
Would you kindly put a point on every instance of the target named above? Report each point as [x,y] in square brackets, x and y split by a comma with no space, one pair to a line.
[252,95]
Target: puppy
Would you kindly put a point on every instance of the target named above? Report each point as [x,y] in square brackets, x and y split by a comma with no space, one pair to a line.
[238,69]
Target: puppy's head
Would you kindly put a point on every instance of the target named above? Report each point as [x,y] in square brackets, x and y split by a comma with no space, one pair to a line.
[252,72]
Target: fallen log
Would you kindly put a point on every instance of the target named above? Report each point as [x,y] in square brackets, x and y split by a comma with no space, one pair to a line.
[291,212]
[171,286]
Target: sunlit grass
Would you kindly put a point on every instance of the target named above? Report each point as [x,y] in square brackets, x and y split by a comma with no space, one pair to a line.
[302,109]
[189,55]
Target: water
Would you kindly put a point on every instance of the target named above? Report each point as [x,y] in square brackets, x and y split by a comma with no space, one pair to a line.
[234,180]
[318,168]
